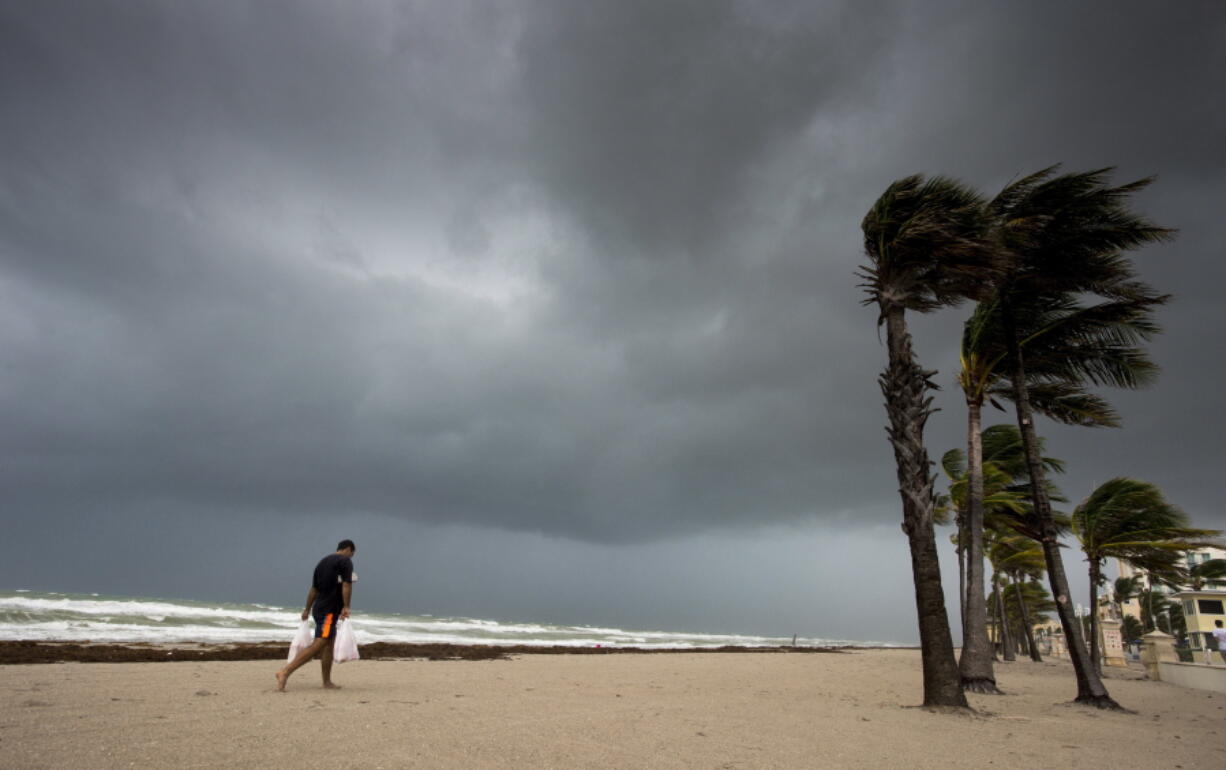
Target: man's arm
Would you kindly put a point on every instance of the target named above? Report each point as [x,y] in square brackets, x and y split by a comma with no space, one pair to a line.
[346,592]
[310,601]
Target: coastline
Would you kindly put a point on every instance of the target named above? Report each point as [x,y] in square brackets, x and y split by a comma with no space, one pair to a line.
[688,709]
[34,652]
[93,619]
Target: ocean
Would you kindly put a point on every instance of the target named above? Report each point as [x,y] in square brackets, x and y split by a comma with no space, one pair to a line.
[44,616]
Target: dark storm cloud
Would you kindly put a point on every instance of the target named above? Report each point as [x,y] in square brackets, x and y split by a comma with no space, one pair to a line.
[655,125]
[1094,85]
[581,269]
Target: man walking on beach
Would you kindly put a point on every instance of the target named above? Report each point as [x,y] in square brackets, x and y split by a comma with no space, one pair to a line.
[331,587]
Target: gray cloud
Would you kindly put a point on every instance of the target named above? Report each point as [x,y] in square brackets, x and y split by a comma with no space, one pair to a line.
[579,271]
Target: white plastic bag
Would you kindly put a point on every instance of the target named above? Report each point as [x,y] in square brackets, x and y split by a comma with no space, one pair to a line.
[303,638]
[346,645]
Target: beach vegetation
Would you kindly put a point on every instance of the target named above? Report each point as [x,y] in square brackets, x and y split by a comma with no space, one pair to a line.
[1023,605]
[984,377]
[992,487]
[1159,613]
[923,240]
[1130,519]
[1131,628]
[1060,310]
[1204,572]
[1006,508]
[1019,560]
[1123,590]
[1063,239]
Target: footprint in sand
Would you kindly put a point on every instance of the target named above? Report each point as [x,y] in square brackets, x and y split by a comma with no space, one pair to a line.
[35,703]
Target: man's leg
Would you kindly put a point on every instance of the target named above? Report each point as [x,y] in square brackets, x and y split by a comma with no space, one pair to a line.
[300,661]
[325,664]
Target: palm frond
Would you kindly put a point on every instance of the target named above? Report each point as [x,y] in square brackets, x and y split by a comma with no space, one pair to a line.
[1129,519]
[924,241]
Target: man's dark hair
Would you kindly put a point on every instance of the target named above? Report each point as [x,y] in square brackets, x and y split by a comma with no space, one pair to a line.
[342,545]
[1217,623]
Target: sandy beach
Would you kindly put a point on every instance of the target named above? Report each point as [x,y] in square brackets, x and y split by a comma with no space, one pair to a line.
[854,709]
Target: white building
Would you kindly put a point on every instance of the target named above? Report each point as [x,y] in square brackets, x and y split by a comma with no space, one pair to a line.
[1200,556]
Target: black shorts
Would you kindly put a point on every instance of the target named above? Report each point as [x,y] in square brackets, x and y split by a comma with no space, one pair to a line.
[325,624]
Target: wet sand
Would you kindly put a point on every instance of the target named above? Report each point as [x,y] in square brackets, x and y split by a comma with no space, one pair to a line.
[739,709]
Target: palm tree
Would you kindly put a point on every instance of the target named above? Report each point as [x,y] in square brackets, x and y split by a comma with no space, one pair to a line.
[1153,605]
[1036,600]
[1206,572]
[1131,628]
[1123,590]
[1129,519]
[1175,620]
[995,554]
[1065,238]
[1004,627]
[923,241]
[1021,559]
[947,509]
[975,663]
[998,497]
[984,375]
[1006,488]
[1161,614]
[1025,603]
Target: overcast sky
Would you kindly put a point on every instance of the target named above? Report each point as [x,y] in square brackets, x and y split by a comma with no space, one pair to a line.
[550,306]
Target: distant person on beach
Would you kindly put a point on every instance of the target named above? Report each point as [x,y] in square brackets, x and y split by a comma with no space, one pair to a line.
[328,602]
[1219,634]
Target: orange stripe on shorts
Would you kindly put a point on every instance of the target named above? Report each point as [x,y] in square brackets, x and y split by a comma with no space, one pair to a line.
[327,626]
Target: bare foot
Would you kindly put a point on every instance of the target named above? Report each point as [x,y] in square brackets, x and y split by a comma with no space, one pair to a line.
[330,686]
[282,678]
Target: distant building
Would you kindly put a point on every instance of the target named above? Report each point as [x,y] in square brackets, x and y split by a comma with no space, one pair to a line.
[1200,610]
[1199,556]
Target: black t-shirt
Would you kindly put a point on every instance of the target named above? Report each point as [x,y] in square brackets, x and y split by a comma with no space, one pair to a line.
[332,570]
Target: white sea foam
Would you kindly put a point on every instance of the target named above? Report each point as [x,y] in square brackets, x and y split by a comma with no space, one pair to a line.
[132,607]
[37,616]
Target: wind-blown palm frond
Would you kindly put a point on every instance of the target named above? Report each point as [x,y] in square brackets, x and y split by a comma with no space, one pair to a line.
[1131,520]
[1066,347]
[924,241]
[1069,233]
[953,463]
[1125,588]
[1002,445]
[1067,404]
[1065,236]
[1206,571]
[998,499]
[1017,554]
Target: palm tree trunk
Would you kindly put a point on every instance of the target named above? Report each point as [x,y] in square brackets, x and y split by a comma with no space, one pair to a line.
[975,665]
[1153,619]
[1023,647]
[1095,576]
[1021,605]
[1090,689]
[905,387]
[994,616]
[961,570]
[1008,651]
